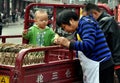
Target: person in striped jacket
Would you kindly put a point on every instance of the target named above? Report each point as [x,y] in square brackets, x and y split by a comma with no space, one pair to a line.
[90,44]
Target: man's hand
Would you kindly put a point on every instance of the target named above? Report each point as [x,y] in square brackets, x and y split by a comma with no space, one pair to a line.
[62,41]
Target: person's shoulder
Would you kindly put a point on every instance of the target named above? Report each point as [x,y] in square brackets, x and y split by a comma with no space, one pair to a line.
[106,17]
[48,29]
[87,19]
[32,28]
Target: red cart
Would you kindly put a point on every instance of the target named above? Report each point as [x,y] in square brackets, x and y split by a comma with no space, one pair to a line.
[59,65]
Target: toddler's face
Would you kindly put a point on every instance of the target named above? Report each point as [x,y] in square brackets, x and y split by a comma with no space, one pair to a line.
[42,20]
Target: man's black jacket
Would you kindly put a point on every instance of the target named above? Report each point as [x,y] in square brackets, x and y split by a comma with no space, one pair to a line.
[112,34]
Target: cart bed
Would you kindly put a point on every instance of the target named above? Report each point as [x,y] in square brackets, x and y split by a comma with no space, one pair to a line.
[59,66]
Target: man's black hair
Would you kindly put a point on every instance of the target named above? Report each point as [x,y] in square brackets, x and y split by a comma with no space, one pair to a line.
[65,16]
[90,6]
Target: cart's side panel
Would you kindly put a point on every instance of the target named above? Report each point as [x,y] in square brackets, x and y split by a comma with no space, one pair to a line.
[58,66]
[58,72]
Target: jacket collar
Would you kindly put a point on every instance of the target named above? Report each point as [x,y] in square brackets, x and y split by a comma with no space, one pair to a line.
[100,17]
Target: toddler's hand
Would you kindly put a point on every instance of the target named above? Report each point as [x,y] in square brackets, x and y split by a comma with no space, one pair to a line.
[55,38]
[25,31]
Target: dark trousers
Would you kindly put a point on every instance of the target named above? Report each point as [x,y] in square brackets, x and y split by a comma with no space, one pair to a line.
[107,75]
[118,74]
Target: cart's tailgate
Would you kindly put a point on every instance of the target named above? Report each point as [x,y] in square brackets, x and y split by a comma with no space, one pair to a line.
[58,72]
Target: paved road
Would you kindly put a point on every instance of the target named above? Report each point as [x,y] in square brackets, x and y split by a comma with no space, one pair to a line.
[13,29]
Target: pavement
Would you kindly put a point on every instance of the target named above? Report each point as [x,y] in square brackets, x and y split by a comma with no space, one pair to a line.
[13,29]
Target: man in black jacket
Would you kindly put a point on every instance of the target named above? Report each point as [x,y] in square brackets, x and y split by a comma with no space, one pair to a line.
[111,31]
